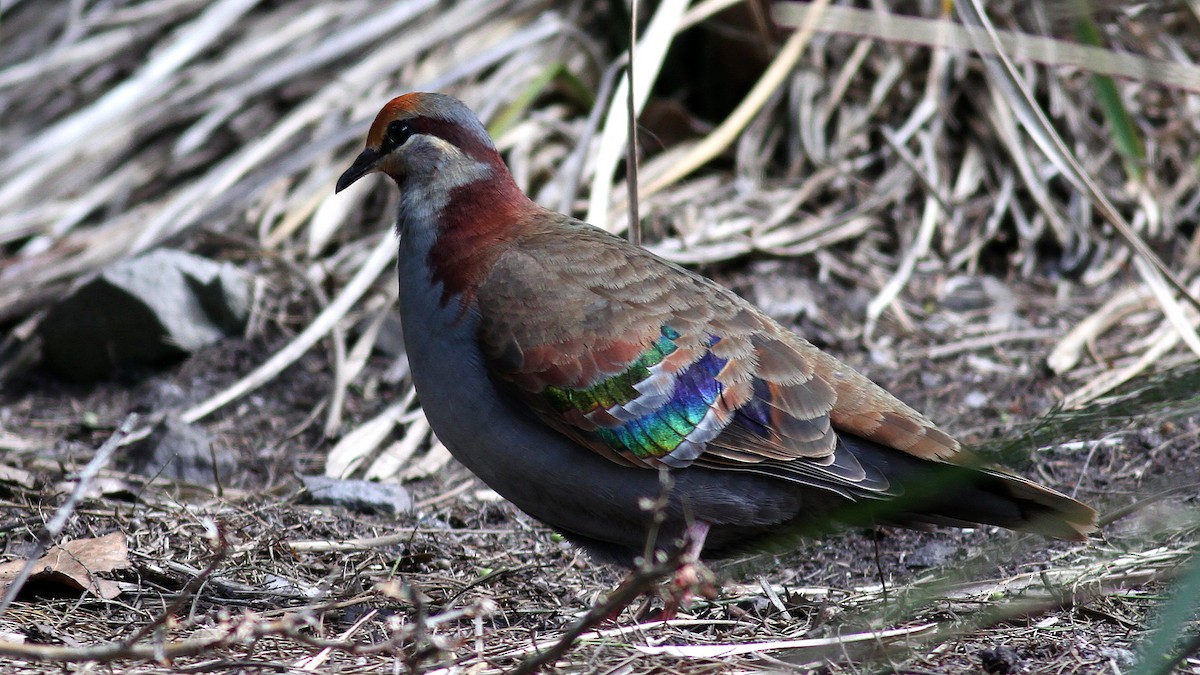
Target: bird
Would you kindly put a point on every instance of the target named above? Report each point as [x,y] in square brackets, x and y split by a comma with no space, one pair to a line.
[582,377]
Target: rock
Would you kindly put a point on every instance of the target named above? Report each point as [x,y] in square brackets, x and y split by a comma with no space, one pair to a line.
[179,451]
[154,308]
[358,495]
[1123,659]
[289,588]
[931,554]
[976,399]
[223,291]
[1000,660]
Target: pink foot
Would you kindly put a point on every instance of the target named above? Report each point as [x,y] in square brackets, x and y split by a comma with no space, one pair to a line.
[691,577]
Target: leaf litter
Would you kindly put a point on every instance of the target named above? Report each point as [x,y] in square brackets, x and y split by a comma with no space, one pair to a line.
[883,163]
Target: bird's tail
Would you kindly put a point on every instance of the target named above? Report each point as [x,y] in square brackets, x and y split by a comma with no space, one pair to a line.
[964,495]
[996,497]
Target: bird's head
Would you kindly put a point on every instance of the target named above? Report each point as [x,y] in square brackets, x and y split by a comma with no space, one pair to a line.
[431,137]
[456,192]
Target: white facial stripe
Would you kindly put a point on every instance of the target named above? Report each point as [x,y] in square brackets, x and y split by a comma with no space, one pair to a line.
[442,167]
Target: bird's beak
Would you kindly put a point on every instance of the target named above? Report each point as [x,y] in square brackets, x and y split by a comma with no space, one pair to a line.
[364,164]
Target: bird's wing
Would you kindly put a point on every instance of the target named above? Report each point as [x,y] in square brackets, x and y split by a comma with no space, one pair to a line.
[649,364]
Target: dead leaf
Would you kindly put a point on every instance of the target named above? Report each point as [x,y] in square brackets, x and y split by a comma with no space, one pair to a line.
[75,564]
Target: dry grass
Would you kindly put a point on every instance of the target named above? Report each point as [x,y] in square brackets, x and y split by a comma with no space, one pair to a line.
[875,155]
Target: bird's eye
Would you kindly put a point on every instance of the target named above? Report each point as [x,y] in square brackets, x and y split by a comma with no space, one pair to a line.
[397,133]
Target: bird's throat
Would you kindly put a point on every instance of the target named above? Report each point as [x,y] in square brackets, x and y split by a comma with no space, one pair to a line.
[478,222]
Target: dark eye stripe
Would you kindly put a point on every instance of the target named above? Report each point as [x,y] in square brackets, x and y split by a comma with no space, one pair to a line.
[397,133]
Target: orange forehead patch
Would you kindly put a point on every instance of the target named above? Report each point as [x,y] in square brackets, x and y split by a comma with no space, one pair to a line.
[406,105]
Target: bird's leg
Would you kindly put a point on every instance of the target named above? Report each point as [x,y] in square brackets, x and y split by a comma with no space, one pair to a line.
[692,576]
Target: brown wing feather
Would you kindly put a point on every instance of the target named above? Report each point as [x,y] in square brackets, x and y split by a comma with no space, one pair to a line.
[572,307]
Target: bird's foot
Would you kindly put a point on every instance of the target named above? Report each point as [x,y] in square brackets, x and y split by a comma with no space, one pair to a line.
[692,578]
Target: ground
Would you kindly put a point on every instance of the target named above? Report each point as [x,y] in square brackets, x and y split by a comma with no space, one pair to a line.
[466,582]
[883,187]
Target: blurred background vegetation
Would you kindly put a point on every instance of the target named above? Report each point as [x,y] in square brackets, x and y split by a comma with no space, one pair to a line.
[914,185]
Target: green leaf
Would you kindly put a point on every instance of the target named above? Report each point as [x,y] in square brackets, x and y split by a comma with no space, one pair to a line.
[1159,652]
[1125,134]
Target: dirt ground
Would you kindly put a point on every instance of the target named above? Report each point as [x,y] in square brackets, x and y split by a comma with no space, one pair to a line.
[465,583]
[882,160]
